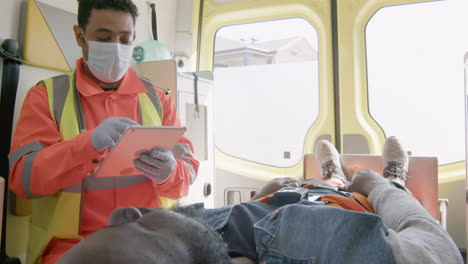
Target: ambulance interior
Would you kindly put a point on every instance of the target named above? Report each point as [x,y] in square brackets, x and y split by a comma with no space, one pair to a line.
[283,104]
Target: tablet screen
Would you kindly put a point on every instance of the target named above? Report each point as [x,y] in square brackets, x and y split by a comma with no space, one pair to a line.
[134,141]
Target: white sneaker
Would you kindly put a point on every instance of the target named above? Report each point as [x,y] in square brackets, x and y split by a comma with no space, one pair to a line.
[395,160]
[328,160]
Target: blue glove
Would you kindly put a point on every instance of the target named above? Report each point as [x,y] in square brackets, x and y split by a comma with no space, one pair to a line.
[109,131]
[156,164]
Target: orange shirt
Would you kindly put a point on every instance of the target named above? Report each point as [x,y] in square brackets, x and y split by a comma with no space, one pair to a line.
[65,163]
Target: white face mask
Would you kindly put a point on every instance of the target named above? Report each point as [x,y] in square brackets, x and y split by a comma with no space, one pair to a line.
[108,61]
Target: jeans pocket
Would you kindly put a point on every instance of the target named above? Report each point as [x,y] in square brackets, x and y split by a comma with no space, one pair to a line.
[275,257]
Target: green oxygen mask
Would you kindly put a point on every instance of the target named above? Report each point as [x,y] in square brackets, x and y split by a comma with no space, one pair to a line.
[151,50]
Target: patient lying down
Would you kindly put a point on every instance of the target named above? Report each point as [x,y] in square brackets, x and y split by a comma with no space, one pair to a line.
[400,230]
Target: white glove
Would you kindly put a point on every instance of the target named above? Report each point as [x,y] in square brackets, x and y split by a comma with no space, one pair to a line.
[109,131]
[156,164]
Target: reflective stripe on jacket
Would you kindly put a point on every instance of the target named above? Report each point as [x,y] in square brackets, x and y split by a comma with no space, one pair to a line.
[59,215]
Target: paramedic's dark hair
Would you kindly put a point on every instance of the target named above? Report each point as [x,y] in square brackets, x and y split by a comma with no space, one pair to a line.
[209,246]
[85,7]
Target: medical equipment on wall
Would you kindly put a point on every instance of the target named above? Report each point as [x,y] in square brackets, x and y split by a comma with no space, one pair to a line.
[153,49]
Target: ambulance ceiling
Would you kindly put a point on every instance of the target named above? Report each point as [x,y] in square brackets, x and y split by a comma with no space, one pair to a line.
[46,36]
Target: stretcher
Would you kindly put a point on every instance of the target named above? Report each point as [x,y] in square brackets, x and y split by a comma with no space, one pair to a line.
[422,178]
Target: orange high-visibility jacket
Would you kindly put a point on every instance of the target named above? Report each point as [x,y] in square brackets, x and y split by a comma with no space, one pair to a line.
[53,162]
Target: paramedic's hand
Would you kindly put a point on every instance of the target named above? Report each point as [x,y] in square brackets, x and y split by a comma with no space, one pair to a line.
[364,182]
[156,164]
[109,131]
[276,185]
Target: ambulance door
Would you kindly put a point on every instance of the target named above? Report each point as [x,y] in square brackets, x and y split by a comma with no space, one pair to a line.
[401,74]
[272,66]
[466,148]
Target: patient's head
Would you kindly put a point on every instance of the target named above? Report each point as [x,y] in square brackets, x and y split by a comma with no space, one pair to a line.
[159,236]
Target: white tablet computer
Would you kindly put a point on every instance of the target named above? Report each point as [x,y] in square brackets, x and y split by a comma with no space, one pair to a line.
[134,141]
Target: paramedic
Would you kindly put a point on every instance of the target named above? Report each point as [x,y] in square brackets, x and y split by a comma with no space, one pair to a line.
[401,232]
[69,123]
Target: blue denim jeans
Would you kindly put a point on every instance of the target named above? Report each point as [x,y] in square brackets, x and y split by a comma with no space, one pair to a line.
[308,233]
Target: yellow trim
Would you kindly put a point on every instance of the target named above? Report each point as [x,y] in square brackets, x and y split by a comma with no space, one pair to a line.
[69,123]
[50,95]
[354,112]
[67,227]
[22,207]
[255,170]
[217,16]
[452,172]
[148,112]
[195,44]
[318,13]
[55,216]
[168,203]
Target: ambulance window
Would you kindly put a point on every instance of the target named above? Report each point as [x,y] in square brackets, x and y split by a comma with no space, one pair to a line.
[415,63]
[266,82]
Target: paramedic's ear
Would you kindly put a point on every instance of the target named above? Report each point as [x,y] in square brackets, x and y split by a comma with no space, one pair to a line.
[124,215]
[79,36]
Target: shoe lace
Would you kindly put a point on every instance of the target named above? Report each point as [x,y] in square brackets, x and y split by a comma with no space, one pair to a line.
[395,169]
[328,169]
